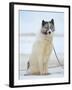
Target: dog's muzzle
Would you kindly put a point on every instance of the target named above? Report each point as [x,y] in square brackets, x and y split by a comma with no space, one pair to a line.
[49,32]
[46,32]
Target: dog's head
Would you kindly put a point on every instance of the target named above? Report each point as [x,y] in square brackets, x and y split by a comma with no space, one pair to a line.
[48,27]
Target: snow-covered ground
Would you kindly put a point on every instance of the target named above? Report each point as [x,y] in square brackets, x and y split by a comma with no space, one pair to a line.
[52,73]
[54,68]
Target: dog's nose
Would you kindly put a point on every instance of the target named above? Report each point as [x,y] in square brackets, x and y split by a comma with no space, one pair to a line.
[49,32]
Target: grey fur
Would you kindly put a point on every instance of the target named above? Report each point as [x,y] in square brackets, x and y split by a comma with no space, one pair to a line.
[28,65]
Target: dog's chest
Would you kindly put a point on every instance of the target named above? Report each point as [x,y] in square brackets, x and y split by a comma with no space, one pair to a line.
[47,45]
[44,47]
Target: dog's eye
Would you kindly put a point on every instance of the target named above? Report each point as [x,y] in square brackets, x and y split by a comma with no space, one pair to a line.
[53,30]
[51,27]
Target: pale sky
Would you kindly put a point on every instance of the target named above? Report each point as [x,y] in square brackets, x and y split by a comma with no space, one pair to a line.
[30,21]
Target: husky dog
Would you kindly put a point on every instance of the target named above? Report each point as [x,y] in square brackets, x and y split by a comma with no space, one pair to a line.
[42,48]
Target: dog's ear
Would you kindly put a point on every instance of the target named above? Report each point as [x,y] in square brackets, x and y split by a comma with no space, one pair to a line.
[43,23]
[52,21]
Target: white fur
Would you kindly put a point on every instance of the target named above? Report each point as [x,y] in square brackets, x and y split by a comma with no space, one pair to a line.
[41,51]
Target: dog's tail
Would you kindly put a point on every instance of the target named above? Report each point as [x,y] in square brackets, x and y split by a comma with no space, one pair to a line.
[28,65]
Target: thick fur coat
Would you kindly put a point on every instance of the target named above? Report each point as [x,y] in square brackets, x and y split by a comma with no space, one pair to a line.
[42,48]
